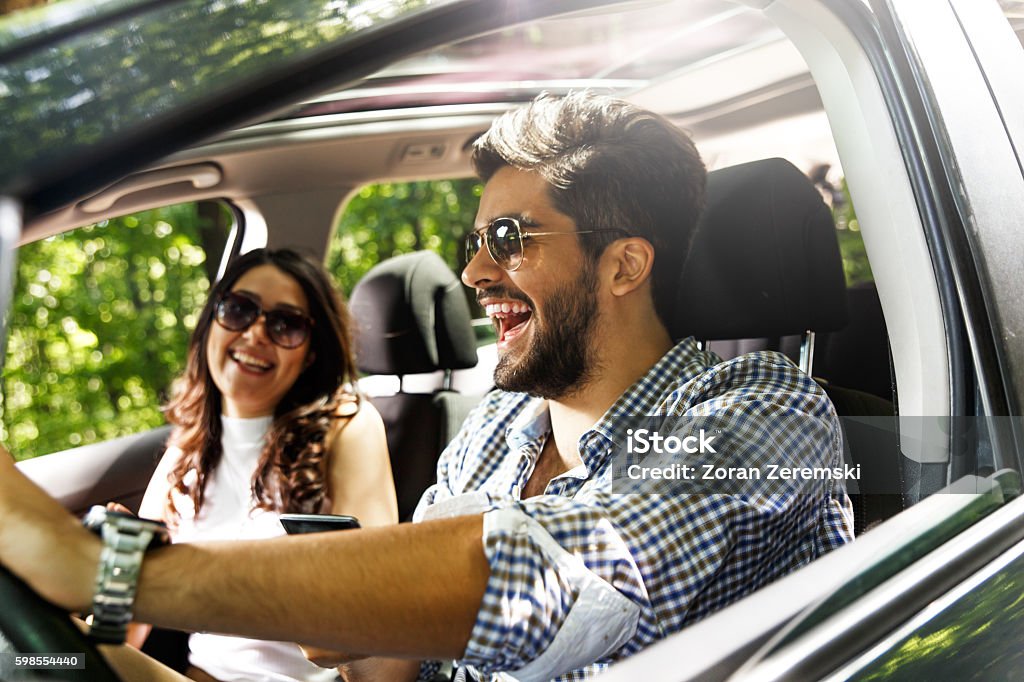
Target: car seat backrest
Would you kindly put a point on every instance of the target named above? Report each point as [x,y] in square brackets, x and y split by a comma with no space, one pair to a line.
[857,356]
[764,264]
[764,260]
[788,345]
[412,317]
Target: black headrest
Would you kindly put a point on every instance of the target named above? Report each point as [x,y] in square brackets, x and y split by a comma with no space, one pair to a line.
[412,317]
[765,259]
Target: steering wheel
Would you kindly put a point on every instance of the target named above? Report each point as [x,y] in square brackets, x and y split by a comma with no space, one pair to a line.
[34,625]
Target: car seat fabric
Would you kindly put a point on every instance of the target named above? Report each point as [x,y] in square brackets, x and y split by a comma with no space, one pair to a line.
[764,259]
[765,263]
[857,356]
[412,317]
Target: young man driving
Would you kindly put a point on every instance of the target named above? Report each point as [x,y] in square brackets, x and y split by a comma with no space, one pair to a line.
[525,561]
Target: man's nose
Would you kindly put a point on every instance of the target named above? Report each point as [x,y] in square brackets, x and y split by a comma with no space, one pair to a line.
[481,270]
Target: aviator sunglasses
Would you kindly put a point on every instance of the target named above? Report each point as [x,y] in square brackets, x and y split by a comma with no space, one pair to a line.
[504,239]
[237,311]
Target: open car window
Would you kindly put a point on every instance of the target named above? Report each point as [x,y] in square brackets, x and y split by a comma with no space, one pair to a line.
[100,323]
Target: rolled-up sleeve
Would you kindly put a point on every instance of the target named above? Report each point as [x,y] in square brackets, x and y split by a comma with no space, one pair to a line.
[545,612]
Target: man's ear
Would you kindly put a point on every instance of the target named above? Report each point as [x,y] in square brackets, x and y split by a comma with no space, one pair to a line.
[631,261]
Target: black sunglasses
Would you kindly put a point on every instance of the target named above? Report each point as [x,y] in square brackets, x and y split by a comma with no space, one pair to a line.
[504,238]
[237,311]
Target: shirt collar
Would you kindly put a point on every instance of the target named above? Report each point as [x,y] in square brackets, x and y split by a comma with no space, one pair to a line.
[649,395]
[531,424]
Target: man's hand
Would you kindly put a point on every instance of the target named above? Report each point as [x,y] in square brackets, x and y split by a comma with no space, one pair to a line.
[42,544]
[395,591]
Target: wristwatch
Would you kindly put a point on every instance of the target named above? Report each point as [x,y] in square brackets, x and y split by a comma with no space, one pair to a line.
[125,539]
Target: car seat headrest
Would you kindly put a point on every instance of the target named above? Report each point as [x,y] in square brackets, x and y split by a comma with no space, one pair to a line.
[412,317]
[764,260]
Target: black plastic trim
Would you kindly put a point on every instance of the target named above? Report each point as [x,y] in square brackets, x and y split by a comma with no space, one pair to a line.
[235,246]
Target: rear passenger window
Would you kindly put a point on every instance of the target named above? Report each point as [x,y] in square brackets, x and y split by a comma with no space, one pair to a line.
[394,218]
[100,322]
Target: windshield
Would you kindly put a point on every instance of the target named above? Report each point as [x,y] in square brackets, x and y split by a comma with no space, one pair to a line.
[130,70]
[613,51]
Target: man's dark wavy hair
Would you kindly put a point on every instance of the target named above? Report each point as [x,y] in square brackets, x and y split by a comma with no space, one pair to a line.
[610,165]
[291,472]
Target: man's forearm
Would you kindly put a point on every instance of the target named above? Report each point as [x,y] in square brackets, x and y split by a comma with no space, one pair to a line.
[408,590]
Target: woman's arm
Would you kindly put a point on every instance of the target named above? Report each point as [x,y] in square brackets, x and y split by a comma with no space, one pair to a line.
[359,469]
[154,502]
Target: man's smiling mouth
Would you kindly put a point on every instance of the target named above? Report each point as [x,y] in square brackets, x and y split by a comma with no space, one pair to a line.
[509,318]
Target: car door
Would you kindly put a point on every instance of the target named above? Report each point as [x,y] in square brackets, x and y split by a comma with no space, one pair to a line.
[933,592]
[958,614]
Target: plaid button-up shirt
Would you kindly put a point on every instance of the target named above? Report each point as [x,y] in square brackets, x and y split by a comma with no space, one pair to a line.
[582,576]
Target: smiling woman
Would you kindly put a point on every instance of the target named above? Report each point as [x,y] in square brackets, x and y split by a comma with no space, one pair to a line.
[266,420]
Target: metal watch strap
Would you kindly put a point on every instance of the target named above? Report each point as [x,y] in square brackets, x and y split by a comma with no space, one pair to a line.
[124,543]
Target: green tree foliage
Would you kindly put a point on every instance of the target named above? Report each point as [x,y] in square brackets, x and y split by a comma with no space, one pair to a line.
[389,219]
[99,86]
[975,638]
[99,327]
[851,242]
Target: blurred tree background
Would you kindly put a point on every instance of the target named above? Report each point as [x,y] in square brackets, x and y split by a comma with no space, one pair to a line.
[851,242]
[99,326]
[390,219]
[102,315]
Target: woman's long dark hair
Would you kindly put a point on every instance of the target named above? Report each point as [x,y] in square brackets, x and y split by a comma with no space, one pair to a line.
[292,469]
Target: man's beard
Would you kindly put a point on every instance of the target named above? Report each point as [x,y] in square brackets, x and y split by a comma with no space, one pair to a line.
[558,362]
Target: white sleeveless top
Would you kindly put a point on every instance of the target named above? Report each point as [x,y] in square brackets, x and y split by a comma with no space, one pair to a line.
[228,514]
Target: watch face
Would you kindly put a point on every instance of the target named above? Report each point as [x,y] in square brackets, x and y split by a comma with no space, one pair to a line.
[98,515]
[94,519]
